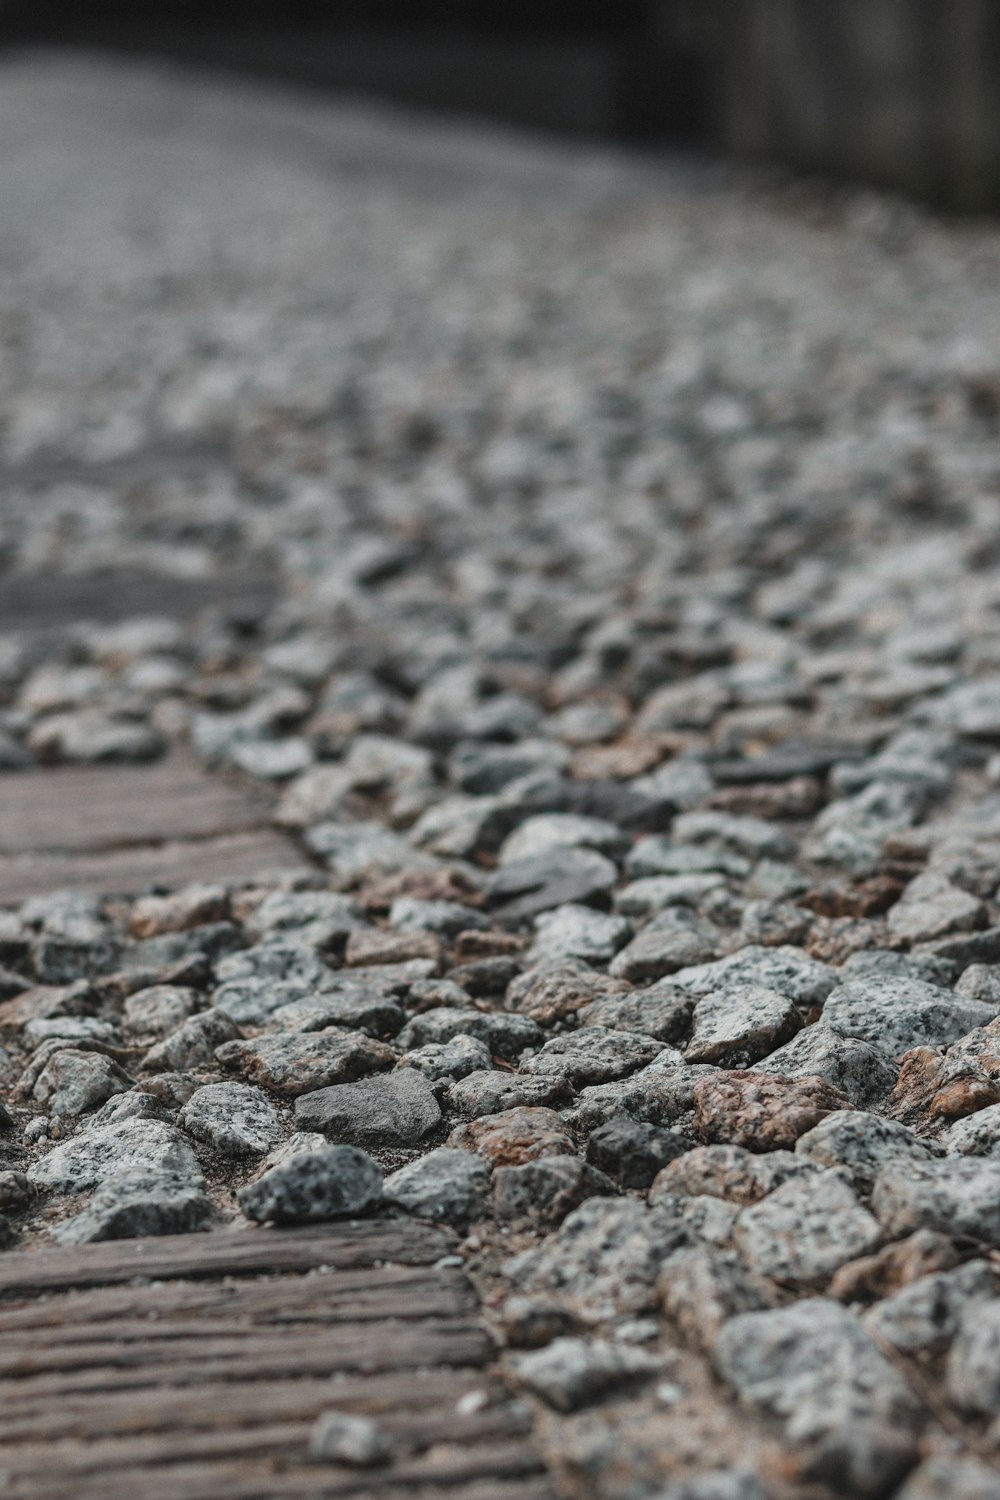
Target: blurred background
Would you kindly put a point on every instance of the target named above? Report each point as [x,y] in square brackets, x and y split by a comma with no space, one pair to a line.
[902,94]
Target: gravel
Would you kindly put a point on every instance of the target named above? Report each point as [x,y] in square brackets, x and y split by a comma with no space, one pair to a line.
[632,680]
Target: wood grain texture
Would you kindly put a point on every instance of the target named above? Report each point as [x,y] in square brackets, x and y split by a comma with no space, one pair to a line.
[193,1367]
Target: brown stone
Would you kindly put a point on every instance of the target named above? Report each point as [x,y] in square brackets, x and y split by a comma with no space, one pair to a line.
[473,945]
[552,993]
[45,1001]
[798,798]
[191,906]
[760,1112]
[833,941]
[446,884]
[932,1090]
[379,946]
[872,1277]
[514,1137]
[728,1172]
[629,757]
[865,898]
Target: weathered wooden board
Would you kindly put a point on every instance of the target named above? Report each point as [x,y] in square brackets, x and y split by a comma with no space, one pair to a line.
[120,829]
[194,1367]
[74,810]
[50,601]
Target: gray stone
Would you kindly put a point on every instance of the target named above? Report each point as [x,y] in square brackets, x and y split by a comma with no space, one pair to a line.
[632,1152]
[283,956]
[603,1259]
[521,890]
[855,1067]
[193,1044]
[503,1034]
[976,1135]
[931,907]
[846,1411]
[658,855]
[72,1083]
[701,1287]
[342,1438]
[137,1203]
[898,1014]
[752,837]
[395,1109]
[659,1011]
[958,1196]
[538,836]
[805,1230]
[593,1054]
[643,898]
[492,1092]
[973,1372]
[447,1186]
[353,1010]
[153,1013]
[232,1118]
[539,1194]
[787,970]
[447,918]
[335,1183]
[128,1146]
[863,1145]
[449,1060]
[294,1063]
[578,932]
[570,1373]
[739,1024]
[674,940]
[254,1001]
[924,1317]
[352,851]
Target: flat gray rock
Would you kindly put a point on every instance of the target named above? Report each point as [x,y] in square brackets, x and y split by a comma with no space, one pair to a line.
[864,1145]
[896,1014]
[395,1109]
[739,1024]
[845,1410]
[958,1196]
[334,1183]
[862,1072]
[446,1186]
[94,1156]
[805,1230]
[233,1118]
[787,970]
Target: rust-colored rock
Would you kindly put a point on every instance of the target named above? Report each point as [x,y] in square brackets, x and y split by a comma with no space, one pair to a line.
[833,940]
[191,906]
[864,898]
[472,945]
[798,798]
[446,884]
[628,757]
[932,1090]
[379,946]
[872,1277]
[553,992]
[515,1136]
[760,1112]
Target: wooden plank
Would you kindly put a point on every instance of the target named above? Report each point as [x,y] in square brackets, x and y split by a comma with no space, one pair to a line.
[239,1252]
[193,1367]
[400,1291]
[29,1414]
[268,1353]
[240,1479]
[51,601]
[236,857]
[77,810]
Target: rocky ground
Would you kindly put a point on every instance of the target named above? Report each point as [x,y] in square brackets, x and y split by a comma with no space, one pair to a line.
[634,683]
